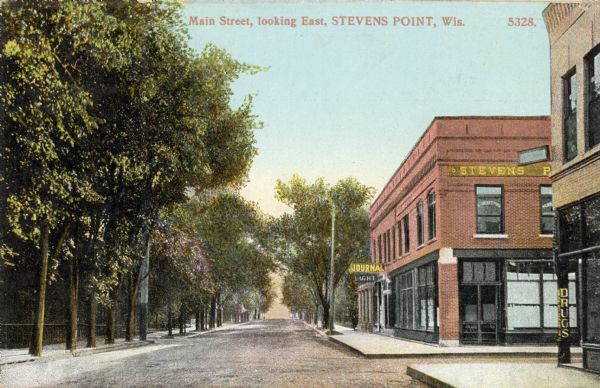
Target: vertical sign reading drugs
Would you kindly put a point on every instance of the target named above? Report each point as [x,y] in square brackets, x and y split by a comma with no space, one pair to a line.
[563,336]
[563,314]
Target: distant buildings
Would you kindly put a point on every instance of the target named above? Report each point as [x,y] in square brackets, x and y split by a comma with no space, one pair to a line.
[574,32]
[465,236]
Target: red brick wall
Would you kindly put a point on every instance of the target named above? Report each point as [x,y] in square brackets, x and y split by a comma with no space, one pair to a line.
[476,141]
[462,141]
[449,302]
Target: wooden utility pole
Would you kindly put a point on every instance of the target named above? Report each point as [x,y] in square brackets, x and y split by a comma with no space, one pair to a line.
[331,271]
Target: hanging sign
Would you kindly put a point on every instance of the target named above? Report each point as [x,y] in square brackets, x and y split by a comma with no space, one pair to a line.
[366,267]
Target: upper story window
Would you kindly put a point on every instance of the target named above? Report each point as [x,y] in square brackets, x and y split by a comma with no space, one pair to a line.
[546,210]
[374,260]
[389,245]
[393,242]
[379,249]
[385,247]
[399,227]
[489,209]
[570,115]
[420,228]
[431,214]
[406,234]
[593,124]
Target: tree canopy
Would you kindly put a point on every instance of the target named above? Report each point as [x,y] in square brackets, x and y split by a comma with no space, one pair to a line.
[305,243]
[107,119]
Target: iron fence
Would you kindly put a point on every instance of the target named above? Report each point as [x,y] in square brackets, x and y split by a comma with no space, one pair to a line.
[18,335]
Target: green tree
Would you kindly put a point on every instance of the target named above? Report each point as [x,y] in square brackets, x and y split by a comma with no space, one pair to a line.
[107,118]
[306,232]
[231,231]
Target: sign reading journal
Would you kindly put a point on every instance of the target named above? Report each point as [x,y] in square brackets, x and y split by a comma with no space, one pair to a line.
[497,171]
[366,267]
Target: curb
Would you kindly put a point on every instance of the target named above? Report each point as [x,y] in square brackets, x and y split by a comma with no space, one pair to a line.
[348,347]
[81,353]
[316,330]
[536,355]
[89,351]
[130,345]
[427,379]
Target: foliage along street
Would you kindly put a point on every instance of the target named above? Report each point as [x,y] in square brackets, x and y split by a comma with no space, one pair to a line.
[122,159]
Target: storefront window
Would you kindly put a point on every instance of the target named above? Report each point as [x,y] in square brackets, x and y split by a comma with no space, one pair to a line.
[426,297]
[592,300]
[415,299]
[406,300]
[479,272]
[570,230]
[532,295]
[523,295]
[591,222]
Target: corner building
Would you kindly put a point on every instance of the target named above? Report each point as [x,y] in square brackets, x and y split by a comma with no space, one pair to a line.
[465,236]
[574,33]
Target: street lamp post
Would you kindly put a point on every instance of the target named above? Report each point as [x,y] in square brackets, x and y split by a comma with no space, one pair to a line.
[331,270]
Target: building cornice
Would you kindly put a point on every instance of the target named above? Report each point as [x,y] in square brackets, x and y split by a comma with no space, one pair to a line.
[560,16]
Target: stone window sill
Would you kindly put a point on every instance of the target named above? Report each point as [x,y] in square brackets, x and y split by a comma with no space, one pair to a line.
[547,235]
[491,236]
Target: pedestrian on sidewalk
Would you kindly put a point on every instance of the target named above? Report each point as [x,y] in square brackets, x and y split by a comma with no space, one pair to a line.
[354,319]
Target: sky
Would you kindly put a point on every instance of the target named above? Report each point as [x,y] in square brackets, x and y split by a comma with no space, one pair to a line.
[352,100]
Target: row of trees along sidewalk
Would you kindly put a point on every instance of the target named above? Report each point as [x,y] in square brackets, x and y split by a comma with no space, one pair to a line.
[304,240]
[110,123]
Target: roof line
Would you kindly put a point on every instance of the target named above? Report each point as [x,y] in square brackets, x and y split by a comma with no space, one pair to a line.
[500,117]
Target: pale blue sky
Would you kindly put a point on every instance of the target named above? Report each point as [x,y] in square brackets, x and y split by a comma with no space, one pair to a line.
[352,101]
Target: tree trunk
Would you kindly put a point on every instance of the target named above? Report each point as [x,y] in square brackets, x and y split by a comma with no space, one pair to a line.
[202,317]
[73,301]
[91,334]
[197,320]
[110,323]
[133,288]
[170,321]
[206,316]
[144,278]
[219,310]
[37,341]
[213,312]
[181,319]
[325,315]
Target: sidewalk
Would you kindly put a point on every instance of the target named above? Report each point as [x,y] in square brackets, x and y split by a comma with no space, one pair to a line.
[58,351]
[372,345]
[502,375]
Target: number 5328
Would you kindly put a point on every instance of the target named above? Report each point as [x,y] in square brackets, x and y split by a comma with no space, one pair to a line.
[521,22]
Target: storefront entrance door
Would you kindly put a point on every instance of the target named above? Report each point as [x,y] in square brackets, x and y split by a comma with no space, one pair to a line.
[479,306]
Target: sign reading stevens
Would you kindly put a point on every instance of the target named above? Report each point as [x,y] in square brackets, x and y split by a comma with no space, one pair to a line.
[365,267]
[498,171]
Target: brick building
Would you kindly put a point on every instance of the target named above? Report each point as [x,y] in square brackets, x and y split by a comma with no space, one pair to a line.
[465,236]
[574,35]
